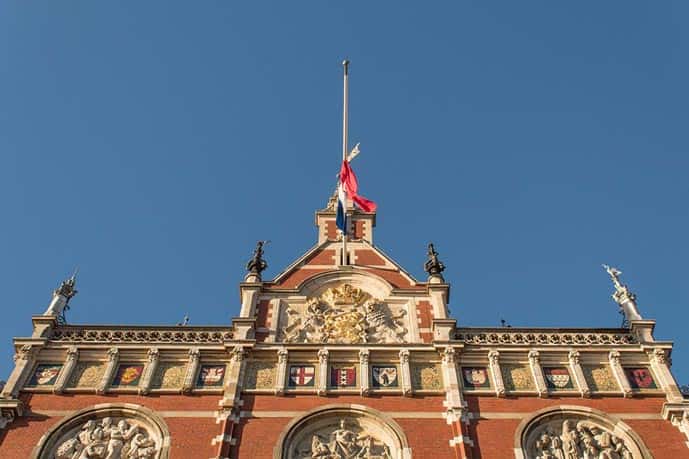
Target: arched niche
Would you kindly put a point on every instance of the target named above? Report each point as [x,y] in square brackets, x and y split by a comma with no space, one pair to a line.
[352,431]
[571,431]
[372,284]
[122,430]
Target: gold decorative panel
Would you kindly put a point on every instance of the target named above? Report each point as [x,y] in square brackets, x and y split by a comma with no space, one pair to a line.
[425,376]
[517,377]
[600,378]
[260,375]
[86,375]
[169,375]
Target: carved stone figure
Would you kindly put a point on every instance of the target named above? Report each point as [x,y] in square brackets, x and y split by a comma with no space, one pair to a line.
[257,264]
[433,266]
[343,443]
[346,315]
[575,439]
[108,439]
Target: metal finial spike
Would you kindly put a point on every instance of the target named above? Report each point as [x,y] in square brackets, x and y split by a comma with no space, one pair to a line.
[345,64]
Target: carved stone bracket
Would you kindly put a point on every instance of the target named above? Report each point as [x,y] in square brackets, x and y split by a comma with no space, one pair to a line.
[496,373]
[618,372]
[322,388]
[67,369]
[537,372]
[281,372]
[575,367]
[660,366]
[149,371]
[364,388]
[405,373]
[110,368]
[192,369]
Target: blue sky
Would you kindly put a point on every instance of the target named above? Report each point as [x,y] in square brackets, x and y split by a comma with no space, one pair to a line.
[151,144]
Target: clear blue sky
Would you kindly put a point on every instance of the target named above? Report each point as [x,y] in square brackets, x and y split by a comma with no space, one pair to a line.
[152,143]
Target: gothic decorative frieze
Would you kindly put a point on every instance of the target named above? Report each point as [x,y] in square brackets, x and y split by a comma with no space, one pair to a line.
[204,335]
[344,314]
[111,438]
[542,337]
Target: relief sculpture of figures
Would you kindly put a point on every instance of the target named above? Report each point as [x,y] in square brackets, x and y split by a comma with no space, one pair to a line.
[578,440]
[108,440]
[343,443]
[344,315]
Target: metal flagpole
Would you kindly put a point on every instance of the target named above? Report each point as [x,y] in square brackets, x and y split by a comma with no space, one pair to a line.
[345,121]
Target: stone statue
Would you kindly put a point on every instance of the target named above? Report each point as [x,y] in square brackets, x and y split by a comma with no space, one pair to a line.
[108,440]
[433,266]
[576,440]
[257,264]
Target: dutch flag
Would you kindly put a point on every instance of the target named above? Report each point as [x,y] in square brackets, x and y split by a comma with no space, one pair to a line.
[347,187]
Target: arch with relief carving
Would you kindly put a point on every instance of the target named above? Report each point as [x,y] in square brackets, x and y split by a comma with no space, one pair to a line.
[579,425]
[145,434]
[371,283]
[348,428]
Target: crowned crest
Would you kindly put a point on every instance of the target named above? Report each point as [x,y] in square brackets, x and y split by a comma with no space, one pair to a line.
[344,295]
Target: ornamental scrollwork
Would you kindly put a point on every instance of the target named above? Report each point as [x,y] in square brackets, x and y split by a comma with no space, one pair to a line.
[76,334]
[542,337]
[347,315]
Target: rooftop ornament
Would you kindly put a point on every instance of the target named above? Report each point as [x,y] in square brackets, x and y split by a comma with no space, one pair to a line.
[623,297]
[257,264]
[433,266]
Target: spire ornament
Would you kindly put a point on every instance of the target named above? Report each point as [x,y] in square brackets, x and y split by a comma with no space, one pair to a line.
[622,296]
[257,264]
[433,266]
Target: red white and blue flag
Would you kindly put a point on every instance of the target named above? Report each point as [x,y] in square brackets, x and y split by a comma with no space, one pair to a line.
[349,188]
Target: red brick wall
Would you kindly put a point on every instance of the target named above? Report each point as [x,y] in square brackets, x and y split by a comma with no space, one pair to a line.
[494,438]
[187,434]
[263,317]
[368,257]
[424,312]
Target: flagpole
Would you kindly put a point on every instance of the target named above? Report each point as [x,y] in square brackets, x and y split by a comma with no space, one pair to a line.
[345,122]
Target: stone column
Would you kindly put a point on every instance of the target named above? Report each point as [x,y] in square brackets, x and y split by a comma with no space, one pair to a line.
[281,375]
[618,372]
[364,378]
[659,365]
[24,361]
[110,368]
[192,369]
[455,407]
[228,415]
[494,363]
[67,369]
[537,372]
[578,373]
[405,373]
[149,371]
[322,388]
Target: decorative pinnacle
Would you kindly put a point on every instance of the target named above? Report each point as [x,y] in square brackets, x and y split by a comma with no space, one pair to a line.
[622,293]
[433,266]
[68,287]
[257,264]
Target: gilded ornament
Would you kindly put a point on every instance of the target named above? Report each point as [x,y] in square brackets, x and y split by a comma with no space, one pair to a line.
[260,375]
[599,378]
[169,375]
[86,374]
[517,377]
[426,376]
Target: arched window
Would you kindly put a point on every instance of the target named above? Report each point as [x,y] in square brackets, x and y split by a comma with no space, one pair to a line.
[120,431]
[346,431]
[576,432]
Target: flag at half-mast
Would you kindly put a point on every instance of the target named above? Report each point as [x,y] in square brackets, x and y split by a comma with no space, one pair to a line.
[348,187]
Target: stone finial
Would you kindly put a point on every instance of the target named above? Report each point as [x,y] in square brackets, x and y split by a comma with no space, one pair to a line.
[257,264]
[61,296]
[68,287]
[433,266]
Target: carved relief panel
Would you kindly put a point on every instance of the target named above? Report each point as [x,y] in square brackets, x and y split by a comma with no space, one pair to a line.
[343,314]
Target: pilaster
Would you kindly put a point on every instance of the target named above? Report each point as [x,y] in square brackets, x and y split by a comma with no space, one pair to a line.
[110,368]
[67,369]
[192,369]
[578,373]
[149,371]
[537,372]
[24,361]
[405,373]
[496,373]
[618,372]
[322,388]
[234,378]
[455,407]
[281,372]
[364,378]
[659,365]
